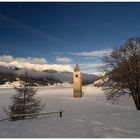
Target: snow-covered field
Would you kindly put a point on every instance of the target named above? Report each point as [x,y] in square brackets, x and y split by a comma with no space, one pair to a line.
[89,116]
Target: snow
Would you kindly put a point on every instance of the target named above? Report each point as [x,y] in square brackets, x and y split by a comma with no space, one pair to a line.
[11,84]
[39,64]
[87,117]
[37,67]
[62,85]
[18,83]
[100,81]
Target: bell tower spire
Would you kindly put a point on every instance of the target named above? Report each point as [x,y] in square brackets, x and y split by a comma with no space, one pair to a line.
[77,82]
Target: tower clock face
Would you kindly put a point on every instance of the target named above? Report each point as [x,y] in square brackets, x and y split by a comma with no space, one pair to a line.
[76,75]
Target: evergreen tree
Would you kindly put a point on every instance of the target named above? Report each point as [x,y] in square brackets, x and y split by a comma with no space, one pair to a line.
[24,101]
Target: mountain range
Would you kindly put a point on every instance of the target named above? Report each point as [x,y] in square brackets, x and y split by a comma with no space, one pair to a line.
[45,75]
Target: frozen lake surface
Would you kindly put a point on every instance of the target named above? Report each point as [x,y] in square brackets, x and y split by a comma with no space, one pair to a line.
[87,117]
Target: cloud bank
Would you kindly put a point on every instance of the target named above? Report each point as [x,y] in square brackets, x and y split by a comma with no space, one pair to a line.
[39,64]
[32,60]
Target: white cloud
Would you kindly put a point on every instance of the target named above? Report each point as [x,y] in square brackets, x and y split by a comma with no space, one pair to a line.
[91,65]
[92,68]
[62,59]
[92,71]
[6,58]
[97,53]
[90,58]
[32,60]
[39,64]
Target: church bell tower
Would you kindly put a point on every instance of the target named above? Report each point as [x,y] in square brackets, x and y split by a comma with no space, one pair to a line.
[77,82]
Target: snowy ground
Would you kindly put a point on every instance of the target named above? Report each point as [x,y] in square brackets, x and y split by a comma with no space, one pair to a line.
[89,116]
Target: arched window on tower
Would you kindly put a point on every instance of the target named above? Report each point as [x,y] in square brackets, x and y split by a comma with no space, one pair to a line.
[76,75]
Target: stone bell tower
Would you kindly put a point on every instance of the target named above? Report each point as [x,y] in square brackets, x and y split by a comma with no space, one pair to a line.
[77,82]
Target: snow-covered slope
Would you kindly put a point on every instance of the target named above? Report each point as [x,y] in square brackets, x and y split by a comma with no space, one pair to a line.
[87,117]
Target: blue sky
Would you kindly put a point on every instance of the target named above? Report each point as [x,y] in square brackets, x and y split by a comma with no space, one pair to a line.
[67,32]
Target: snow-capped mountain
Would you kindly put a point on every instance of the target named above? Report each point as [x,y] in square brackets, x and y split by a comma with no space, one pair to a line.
[37,67]
[41,76]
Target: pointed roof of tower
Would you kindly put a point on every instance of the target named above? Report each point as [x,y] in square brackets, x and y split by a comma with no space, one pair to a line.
[77,68]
